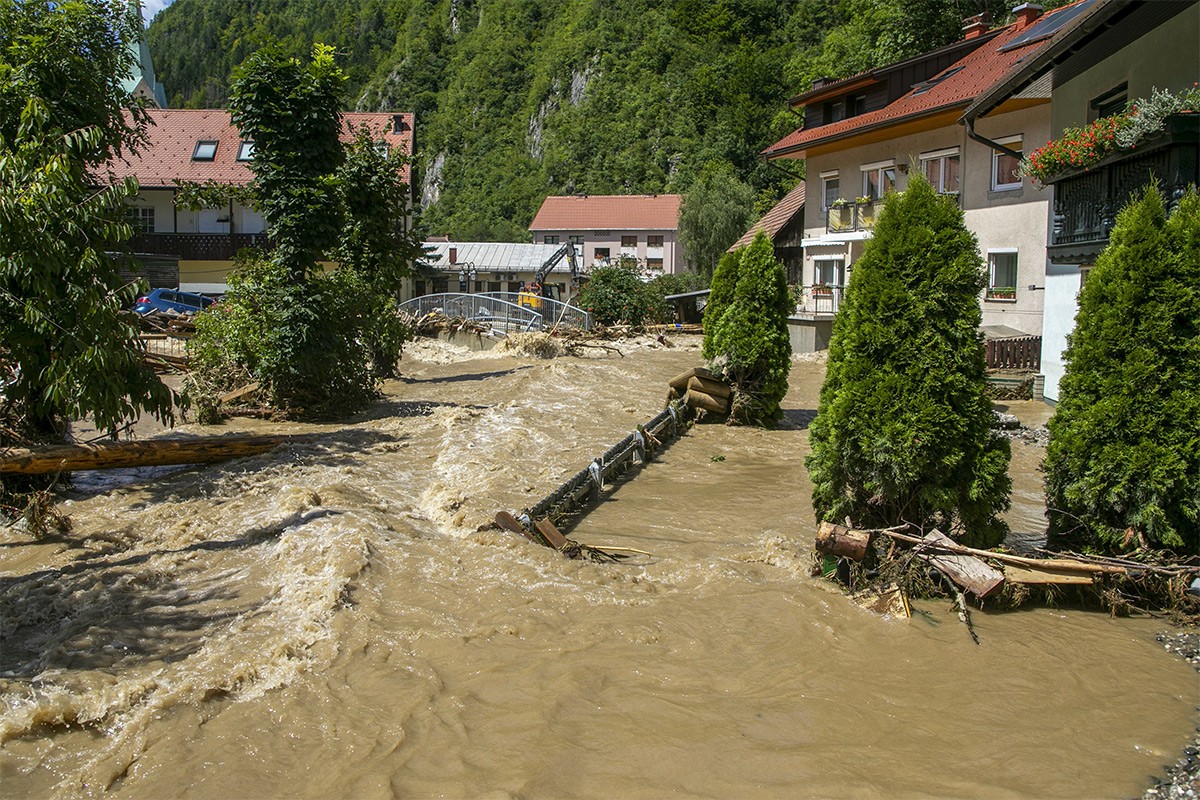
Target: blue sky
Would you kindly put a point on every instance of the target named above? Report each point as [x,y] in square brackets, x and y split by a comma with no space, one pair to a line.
[152,7]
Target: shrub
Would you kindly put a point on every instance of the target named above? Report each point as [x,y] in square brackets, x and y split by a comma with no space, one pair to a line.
[724,283]
[902,432]
[751,344]
[1123,462]
[616,295]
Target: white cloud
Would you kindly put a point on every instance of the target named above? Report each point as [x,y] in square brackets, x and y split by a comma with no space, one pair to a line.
[152,7]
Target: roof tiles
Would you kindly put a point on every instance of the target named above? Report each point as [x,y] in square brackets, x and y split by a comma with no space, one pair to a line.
[608,212]
[773,221]
[173,133]
[962,82]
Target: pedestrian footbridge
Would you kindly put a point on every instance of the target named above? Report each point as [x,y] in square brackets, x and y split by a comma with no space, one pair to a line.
[503,312]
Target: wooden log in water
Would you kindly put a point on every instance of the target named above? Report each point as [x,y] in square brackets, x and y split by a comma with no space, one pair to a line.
[710,386]
[706,401]
[550,533]
[680,382]
[148,453]
[238,394]
[967,571]
[838,540]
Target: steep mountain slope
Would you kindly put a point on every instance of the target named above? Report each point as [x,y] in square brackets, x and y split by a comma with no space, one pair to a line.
[517,99]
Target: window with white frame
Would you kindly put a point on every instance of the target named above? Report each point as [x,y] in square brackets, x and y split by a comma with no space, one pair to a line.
[142,219]
[1002,274]
[246,151]
[830,189]
[878,179]
[1004,165]
[827,273]
[941,168]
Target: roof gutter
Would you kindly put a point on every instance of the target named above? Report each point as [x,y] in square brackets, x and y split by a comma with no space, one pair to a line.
[970,123]
[853,132]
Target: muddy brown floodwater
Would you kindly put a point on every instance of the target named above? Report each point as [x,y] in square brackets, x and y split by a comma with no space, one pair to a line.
[325,621]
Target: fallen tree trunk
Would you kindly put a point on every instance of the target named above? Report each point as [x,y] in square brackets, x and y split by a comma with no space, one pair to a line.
[710,386]
[950,546]
[843,542]
[148,453]
[680,382]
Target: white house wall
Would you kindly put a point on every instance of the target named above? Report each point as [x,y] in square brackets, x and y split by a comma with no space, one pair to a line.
[1062,293]
[669,252]
[1015,219]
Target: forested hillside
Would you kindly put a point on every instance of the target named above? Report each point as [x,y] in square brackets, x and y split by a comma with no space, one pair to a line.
[517,99]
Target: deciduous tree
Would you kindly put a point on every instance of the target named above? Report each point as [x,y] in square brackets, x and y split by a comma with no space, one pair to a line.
[68,346]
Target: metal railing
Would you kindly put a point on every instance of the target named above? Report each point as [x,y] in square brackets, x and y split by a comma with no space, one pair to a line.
[504,312]
[197,246]
[852,217]
[821,299]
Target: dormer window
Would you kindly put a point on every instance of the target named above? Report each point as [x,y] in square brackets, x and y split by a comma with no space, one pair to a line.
[206,150]
[246,151]
[856,105]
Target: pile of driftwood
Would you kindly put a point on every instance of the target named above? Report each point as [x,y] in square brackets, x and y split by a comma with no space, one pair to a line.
[886,565]
[171,322]
[701,390]
[436,322]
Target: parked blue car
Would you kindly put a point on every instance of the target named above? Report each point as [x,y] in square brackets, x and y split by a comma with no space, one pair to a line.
[172,300]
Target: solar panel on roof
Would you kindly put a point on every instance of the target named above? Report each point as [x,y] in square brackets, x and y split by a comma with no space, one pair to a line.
[1048,25]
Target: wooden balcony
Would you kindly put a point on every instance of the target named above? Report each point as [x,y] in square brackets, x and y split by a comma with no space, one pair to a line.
[1086,202]
[197,246]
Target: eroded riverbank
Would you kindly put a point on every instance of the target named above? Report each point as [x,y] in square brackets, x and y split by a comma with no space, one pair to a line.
[326,621]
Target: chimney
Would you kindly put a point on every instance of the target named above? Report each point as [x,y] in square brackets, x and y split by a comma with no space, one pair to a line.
[453,255]
[1026,13]
[977,25]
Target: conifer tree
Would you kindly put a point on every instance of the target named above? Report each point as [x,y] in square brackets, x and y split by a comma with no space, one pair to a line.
[750,344]
[724,284]
[1123,462]
[903,428]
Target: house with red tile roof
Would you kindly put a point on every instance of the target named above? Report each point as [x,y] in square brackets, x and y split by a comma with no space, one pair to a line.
[865,135]
[1113,53]
[607,228]
[193,250]
[784,226]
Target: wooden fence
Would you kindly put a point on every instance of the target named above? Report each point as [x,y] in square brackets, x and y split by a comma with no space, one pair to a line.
[1020,352]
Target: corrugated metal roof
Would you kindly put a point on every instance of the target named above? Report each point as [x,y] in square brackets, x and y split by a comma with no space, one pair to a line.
[173,133]
[494,256]
[653,212]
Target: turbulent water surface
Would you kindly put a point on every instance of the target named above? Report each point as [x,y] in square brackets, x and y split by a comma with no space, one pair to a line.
[326,620]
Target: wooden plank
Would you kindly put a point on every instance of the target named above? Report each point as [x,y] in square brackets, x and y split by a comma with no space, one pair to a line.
[148,453]
[511,524]
[967,571]
[238,394]
[1006,558]
[1042,576]
[551,534]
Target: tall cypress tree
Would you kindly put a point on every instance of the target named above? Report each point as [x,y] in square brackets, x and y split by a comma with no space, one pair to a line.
[903,428]
[720,295]
[1123,463]
[750,345]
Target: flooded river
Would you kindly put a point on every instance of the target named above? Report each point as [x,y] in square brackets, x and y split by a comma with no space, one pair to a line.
[327,621]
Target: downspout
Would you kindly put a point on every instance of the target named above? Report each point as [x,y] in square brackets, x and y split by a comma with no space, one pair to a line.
[971,134]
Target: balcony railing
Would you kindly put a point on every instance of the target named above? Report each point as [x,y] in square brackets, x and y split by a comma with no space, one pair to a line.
[1086,202]
[821,299]
[197,246]
[852,217]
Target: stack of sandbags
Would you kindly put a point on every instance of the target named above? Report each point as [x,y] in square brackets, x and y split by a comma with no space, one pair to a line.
[701,390]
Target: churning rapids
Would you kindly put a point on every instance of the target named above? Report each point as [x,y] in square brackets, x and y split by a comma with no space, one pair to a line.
[326,621]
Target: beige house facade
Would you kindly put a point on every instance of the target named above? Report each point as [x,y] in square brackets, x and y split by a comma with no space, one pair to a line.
[854,159]
[608,228]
